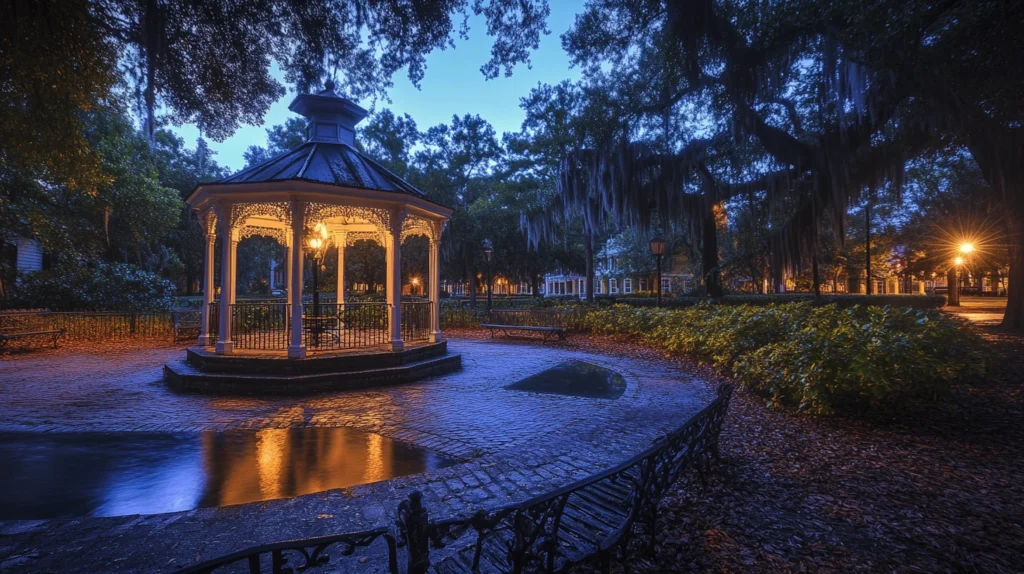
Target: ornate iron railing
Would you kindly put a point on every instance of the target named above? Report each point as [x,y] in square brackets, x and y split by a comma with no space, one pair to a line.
[415,321]
[330,327]
[260,326]
[595,518]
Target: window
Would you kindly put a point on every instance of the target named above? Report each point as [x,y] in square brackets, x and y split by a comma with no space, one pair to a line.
[627,286]
[583,286]
[643,285]
[613,286]
[666,285]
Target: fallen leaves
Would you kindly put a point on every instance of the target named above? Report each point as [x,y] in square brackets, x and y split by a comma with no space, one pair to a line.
[940,488]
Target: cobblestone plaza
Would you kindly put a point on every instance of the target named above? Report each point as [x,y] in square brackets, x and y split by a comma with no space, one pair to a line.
[509,444]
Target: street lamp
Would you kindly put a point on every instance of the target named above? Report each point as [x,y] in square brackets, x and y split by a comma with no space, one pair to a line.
[317,241]
[415,285]
[658,249]
[488,250]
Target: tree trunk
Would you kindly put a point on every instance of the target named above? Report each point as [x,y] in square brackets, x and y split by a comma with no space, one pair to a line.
[468,261]
[814,275]
[869,287]
[153,39]
[588,240]
[1013,318]
[952,288]
[709,255]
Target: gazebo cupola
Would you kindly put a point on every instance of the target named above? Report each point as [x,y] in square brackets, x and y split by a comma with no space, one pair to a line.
[322,194]
[332,118]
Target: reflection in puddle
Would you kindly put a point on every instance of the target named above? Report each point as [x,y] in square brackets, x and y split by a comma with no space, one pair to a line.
[113,474]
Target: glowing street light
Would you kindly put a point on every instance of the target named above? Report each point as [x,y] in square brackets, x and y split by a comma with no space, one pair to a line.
[966,247]
[959,260]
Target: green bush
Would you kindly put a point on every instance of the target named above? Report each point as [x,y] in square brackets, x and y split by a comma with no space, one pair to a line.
[820,359]
[912,301]
[106,286]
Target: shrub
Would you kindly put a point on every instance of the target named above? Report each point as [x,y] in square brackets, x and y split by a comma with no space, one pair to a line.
[912,301]
[106,286]
[819,359]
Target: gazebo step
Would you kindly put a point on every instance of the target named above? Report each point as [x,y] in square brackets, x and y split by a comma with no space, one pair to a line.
[276,363]
[182,376]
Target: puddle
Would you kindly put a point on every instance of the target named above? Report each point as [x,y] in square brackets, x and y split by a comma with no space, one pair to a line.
[576,379]
[113,474]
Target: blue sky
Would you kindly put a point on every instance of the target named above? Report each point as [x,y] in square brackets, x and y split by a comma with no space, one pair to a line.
[453,86]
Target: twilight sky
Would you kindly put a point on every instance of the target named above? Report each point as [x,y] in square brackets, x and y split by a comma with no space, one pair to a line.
[453,85]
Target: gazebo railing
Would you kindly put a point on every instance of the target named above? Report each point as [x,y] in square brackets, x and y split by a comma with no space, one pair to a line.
[330,327]
[260,326]
[325,327]
[415,321]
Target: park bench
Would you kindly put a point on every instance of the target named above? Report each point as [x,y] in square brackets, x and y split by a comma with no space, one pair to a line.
[548,333]
[187,323]
[591,520]
[18,325]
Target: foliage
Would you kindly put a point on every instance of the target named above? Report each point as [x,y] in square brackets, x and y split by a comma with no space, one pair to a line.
[821,360]
[841,301]
[106,286]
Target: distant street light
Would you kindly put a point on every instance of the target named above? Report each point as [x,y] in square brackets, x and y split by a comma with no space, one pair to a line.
[658,249]
[966,247]
[488,250]
[959,261]
[415,285]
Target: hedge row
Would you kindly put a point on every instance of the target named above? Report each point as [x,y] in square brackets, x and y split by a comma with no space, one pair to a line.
[820,359]
[842,301]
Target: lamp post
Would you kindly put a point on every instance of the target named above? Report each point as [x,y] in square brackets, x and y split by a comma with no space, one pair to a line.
[658,249]
[317,240]
[415,282]
[488,250]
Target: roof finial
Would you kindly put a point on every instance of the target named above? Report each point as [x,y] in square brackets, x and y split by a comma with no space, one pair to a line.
[329,85]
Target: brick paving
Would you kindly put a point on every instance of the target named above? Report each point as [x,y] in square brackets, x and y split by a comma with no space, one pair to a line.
[512,444]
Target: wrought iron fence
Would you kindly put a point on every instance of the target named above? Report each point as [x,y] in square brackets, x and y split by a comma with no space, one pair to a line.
[331,326]
[92,325]
[260,326]
[415,321]
[593,519]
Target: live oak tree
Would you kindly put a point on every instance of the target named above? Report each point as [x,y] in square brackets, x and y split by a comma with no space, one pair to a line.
[829,98]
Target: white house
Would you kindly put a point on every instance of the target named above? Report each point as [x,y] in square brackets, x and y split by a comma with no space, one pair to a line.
[30,255]
[611,279]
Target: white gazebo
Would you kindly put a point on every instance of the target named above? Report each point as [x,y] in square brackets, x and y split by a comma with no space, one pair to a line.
[321,194]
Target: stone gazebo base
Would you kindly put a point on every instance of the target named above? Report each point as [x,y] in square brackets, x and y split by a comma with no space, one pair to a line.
[256,373]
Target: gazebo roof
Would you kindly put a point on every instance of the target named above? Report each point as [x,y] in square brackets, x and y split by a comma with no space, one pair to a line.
[328,156]
[329,163]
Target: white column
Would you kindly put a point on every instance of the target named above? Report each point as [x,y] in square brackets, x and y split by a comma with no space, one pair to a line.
[234,265]
[394,278]
[435,291]
[208,287]
[224,343]
[341,239]
[296,350]
[288,268]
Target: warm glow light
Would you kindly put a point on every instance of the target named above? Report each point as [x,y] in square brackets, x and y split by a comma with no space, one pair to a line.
[959,261]
[315,242]
[415,280]
[966,247]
